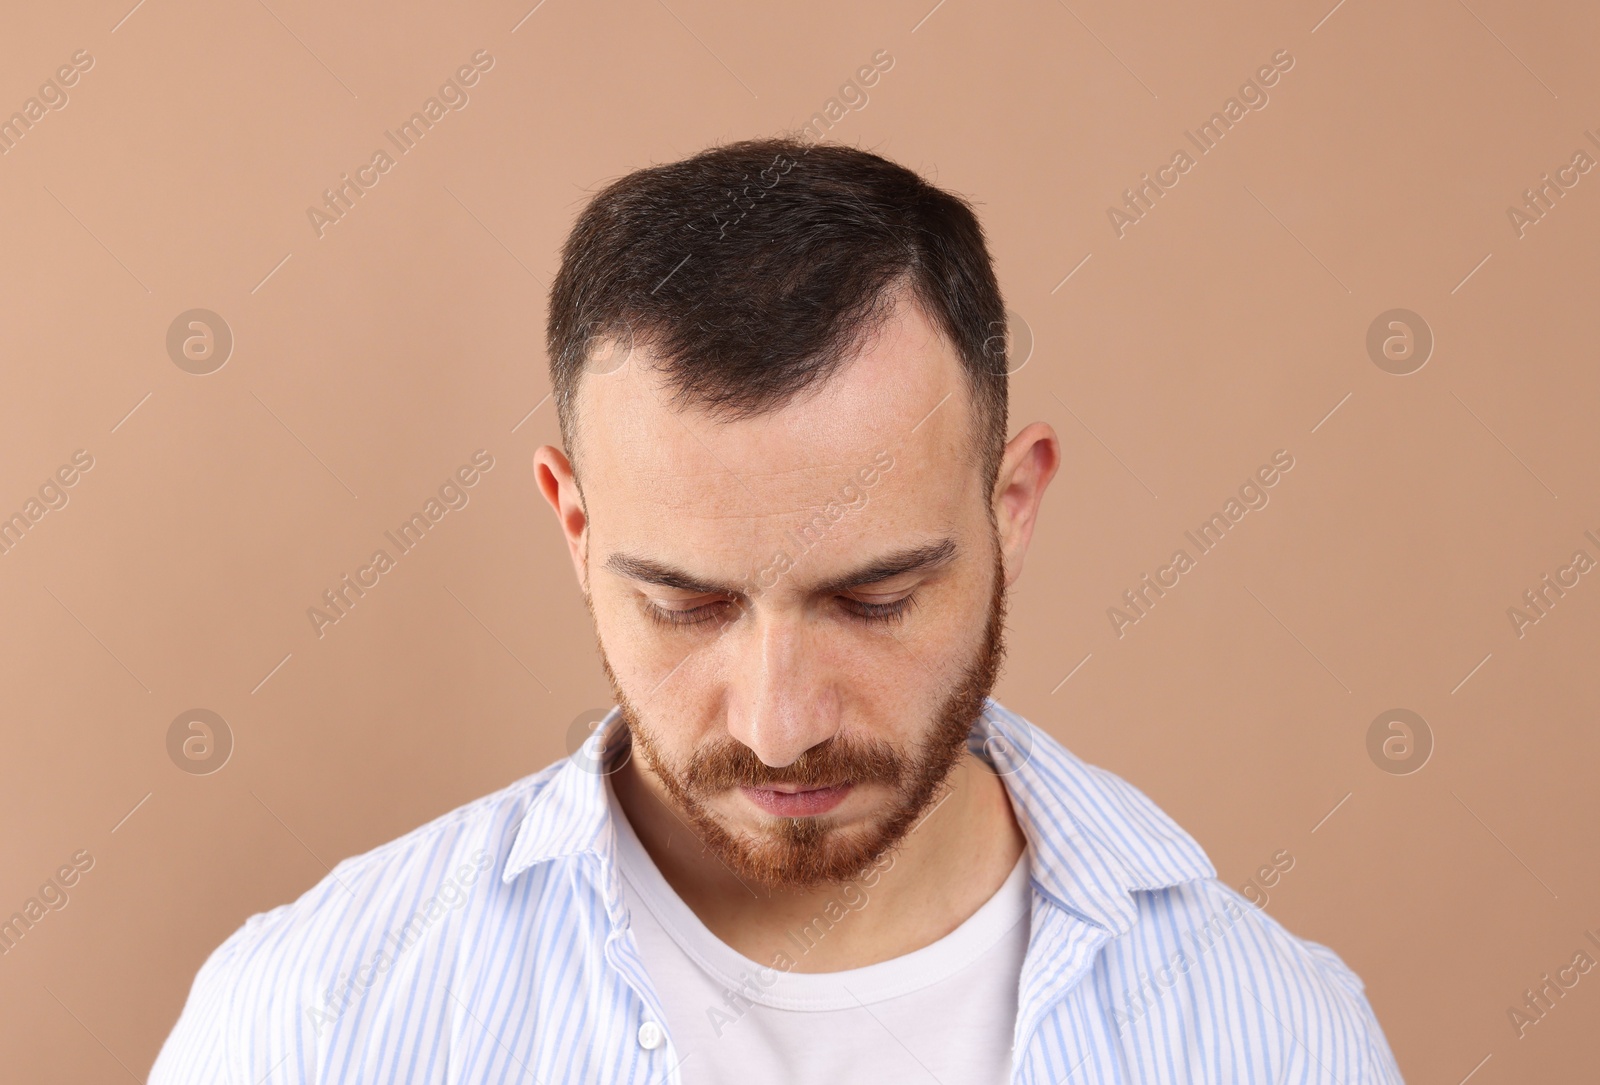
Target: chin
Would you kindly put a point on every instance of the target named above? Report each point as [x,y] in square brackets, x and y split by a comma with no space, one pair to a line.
[797,854]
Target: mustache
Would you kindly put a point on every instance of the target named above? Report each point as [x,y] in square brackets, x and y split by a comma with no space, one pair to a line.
[728,764]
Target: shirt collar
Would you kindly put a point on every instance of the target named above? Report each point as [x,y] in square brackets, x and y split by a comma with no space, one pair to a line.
[569,815]
[1095,839]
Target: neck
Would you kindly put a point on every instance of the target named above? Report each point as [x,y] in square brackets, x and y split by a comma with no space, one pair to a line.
[940,873]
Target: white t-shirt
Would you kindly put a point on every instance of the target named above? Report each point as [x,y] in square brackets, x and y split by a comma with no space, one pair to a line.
[944,1012]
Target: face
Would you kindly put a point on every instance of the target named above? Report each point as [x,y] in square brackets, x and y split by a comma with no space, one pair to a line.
[802,843]
[800,614]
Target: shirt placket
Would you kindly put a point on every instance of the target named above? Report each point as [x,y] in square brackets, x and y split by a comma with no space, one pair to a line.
[646,1027]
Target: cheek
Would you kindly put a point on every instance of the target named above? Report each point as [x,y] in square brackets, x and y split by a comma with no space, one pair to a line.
[899,682]
[641,652]
[671,679]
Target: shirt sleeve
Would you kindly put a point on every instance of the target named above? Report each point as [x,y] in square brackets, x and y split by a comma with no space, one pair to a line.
[198,1050]
[1381,1068]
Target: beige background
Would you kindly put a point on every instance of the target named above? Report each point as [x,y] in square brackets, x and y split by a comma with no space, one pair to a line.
[1229,323]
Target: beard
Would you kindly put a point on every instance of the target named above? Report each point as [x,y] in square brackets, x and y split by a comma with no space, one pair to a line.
[806,852]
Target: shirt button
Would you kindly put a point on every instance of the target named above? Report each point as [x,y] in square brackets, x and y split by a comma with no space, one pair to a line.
[651,1036]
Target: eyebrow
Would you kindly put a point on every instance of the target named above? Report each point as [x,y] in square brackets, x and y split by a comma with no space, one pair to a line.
[913,559]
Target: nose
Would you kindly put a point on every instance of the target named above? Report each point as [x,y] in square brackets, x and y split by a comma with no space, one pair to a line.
[781,701]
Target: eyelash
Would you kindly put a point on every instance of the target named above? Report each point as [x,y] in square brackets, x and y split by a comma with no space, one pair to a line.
[679,618]
[867,613]
[881,613]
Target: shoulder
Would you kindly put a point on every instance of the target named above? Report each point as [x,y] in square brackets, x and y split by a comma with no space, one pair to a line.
[1187,966]
[289,976]
[453,851]
[1204,962]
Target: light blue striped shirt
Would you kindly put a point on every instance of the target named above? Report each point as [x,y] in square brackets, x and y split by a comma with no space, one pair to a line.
[493,945]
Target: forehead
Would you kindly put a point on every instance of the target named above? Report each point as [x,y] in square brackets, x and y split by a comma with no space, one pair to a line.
[709,485]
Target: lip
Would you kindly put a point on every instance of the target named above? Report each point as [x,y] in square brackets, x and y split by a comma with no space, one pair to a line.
[797,804]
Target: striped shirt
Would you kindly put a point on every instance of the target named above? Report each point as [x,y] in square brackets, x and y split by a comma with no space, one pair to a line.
[493,945]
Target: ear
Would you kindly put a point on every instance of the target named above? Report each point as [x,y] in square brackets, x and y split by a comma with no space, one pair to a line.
[1027,465]
[559,485]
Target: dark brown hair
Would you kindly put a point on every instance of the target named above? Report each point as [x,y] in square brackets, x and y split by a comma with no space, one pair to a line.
[752,270]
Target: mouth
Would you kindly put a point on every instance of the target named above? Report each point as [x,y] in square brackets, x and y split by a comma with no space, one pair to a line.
[787,802]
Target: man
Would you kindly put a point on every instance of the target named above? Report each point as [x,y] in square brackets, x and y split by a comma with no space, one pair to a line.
[805,846]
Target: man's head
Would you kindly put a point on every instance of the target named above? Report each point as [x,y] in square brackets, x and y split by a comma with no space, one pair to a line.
[781,376]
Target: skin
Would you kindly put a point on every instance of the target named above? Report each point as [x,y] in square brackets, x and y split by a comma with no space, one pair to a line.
[783,667]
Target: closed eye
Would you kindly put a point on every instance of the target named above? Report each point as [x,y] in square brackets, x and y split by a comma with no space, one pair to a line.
[680,617]
[893,611]
[722,611]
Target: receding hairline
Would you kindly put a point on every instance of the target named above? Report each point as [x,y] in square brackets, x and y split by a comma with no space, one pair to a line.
[894,300]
